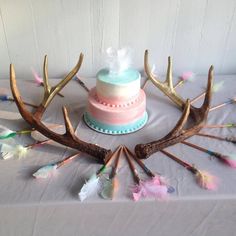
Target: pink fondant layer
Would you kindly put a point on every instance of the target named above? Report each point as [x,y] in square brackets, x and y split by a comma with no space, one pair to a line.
[117,101]
[114,101]
[116,114]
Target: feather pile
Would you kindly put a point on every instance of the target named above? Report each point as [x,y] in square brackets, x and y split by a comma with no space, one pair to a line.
[154,187]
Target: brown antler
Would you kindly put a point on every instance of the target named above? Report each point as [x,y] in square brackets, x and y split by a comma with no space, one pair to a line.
[178,133]
[68,139]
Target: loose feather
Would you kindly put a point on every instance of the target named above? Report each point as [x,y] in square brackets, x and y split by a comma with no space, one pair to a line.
[45,171]
[37,78]
[20,151]
[8,151]
[89,188]
[153,187]
[206,180]
[218,86]
[188,75]
[6,133]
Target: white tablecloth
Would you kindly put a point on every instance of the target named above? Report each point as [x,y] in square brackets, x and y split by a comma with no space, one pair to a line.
[51,207]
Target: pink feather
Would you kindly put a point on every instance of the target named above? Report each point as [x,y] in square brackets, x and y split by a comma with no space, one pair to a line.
[187,75]
[153,187]
[206,180]
[230,160]
[37,78]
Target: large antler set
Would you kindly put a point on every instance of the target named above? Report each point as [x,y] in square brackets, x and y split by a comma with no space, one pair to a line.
[179,133]
[68,139]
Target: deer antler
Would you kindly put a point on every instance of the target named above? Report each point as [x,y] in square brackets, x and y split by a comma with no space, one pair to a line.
[68,139]
[178,133]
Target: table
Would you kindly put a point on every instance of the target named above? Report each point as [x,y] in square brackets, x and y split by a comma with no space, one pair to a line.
[51,207]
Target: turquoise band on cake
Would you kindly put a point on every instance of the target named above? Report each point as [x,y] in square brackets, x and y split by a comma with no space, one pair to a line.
[115,129]
[123,78]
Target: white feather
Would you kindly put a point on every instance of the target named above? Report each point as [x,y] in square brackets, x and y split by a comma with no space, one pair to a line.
[8,151]
[20,151]
[89,188]
[118,60]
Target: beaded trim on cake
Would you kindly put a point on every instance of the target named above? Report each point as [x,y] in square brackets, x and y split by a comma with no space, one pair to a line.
[127,104]
[100,127]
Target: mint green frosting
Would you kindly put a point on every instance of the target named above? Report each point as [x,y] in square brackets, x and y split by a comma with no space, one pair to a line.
[115,129]
[124,77]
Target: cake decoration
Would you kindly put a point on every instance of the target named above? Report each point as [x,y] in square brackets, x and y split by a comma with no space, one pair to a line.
[179,134]
[116,105]
[118,60]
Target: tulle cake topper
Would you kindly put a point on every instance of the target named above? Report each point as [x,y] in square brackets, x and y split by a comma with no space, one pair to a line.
[118,60]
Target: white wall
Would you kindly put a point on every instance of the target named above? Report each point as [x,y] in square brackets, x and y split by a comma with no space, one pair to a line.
[196,33]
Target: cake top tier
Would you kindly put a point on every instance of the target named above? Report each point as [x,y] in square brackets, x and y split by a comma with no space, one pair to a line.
[122,78]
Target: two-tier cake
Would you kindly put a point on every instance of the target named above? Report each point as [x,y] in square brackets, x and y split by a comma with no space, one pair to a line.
[116,105]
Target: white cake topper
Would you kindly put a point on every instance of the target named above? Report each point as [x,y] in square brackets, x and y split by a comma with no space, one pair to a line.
[118,60]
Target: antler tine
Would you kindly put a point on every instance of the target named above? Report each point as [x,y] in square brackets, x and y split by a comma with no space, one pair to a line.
[47,87]
[167,86]
[148,70]
[207,100]
[169,78]
[50,92]
[69,128]
[15,92]
[200,114]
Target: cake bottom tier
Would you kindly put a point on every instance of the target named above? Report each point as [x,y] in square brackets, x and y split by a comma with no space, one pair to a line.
[115,129]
